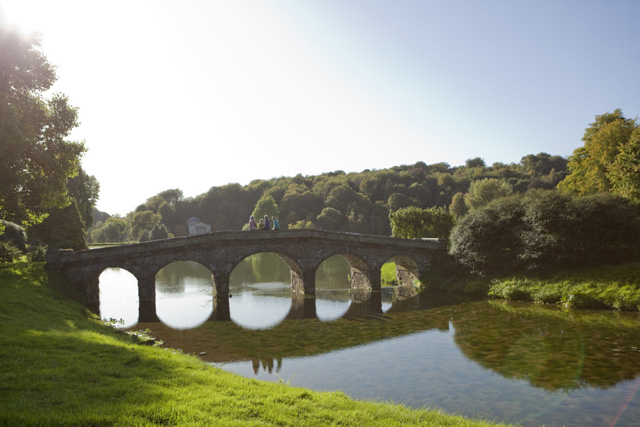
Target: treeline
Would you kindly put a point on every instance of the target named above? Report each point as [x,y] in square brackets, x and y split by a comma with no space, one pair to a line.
[591,219]
[356,202]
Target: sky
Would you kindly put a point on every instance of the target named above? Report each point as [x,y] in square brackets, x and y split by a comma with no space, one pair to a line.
[193,94]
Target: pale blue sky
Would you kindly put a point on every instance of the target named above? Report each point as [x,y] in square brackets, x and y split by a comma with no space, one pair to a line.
[195,94]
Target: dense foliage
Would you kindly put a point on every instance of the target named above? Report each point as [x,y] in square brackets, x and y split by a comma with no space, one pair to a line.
[358,202]
[36,158]
[608,161]
[414,222]
[545,228]
[42,185]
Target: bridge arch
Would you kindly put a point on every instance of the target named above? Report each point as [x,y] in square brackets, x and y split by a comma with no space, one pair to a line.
[192,283]
[221,251]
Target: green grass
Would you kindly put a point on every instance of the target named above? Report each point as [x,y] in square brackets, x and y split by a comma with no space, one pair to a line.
[61,366]
[388,274]
[612,287]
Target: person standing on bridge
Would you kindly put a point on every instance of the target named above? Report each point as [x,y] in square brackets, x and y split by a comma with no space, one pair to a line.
[276,224]
[267,223]
[252,223]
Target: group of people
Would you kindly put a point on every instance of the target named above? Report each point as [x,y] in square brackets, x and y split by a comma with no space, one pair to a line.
[264,224]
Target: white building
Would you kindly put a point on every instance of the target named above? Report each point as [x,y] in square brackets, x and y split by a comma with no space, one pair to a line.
[195,226]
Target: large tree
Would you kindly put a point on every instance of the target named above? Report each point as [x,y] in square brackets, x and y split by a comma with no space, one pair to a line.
[482,192]
[592,165]
[36,158]
[625,173]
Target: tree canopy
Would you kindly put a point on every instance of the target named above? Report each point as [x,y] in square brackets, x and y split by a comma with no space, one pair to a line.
[605,162]
[36,157]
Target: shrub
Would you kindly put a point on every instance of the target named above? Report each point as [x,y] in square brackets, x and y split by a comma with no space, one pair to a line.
[37,253]
[543,229]
[9,252]
[582,299]
[488,240]
[14,234]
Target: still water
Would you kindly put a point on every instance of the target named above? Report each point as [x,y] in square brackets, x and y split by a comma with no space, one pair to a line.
[512,362]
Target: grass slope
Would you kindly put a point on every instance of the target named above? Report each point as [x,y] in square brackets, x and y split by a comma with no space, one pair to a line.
[60,366]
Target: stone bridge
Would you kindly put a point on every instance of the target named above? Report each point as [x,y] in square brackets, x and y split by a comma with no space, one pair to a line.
[302,250]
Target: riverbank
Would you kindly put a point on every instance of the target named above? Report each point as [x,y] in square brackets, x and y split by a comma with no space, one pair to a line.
[603,287]
[62,366]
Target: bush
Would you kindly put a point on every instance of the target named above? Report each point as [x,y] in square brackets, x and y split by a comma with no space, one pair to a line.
[489,240]
[14,234]
[413,222]
[37,253]
[9,252]
[545,229]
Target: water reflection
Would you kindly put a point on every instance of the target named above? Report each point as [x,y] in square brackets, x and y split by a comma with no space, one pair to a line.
[119,297]
[516,362]
[260,291]
[184,294]
[513,362]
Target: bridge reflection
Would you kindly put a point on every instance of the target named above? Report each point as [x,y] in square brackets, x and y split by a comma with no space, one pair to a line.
[364,303]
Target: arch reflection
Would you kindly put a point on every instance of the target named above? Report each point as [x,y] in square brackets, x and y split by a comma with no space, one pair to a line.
[260,291]
[118,297]
[333,286]
[184,294]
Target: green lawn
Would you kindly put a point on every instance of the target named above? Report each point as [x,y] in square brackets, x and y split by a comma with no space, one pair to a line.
[61,366]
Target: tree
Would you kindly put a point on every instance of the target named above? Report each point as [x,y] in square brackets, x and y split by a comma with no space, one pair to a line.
[341,197]
[84,189]
[63,228]
[591,165]
[143,222]
[487,239]
[14,234]
[413,222]
[297,207]
[266,206]
[398,201]
[542,164]
[625,173]
[458,207]
[36,159]
[113,230]
[545,228]
[172,196]
[331,219]
[159,232]
[477,162]
[482,192]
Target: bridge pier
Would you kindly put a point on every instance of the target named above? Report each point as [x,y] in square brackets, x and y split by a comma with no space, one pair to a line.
[304,281]
[147,298]
[365,279]
[221,311]
[364,302]
[302,307]
[221,285]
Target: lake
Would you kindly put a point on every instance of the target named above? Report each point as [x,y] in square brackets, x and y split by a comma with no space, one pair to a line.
[513,362]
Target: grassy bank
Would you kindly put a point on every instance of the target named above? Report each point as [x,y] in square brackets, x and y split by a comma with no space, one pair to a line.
[606,287]
[61,366]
